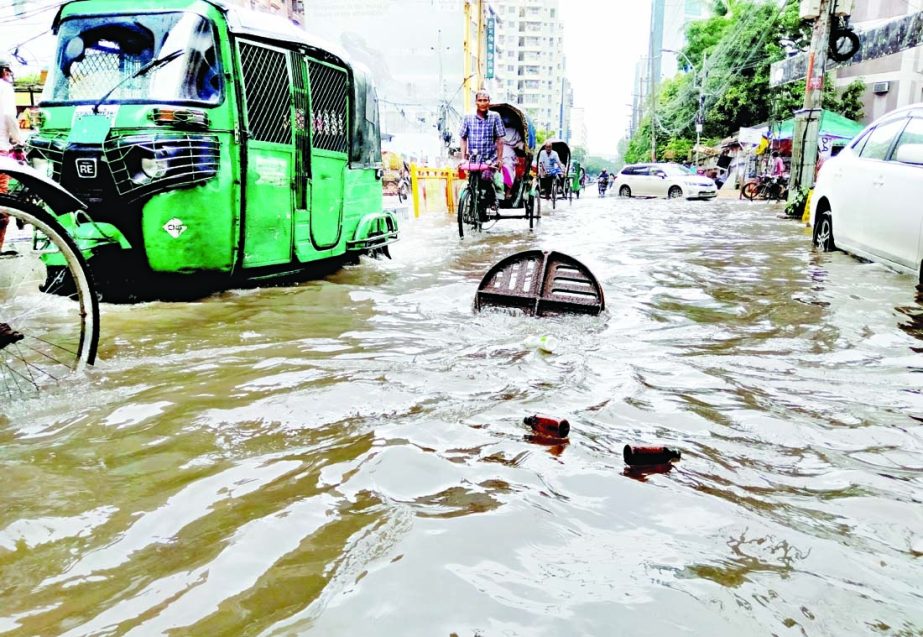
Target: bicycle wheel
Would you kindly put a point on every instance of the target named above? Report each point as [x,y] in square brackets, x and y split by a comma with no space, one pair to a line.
[462,211]
[49,314]
[554,194]
[750,190]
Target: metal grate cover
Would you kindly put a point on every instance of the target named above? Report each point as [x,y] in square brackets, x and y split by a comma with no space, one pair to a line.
[267,93]
[329,107]
[541,283]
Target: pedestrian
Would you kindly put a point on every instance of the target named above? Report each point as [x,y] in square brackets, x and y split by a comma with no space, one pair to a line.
[548,163]
[778,166]
[9,137]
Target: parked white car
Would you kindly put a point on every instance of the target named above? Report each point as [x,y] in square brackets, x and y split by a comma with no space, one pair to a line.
[663,180]
[868,200]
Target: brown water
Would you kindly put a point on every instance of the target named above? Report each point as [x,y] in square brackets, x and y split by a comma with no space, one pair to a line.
[348,457]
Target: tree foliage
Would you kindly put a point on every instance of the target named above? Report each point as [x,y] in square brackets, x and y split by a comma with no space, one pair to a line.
[731,53]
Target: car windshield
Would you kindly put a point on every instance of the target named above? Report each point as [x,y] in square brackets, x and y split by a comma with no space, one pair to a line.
[674,170]
[96,54]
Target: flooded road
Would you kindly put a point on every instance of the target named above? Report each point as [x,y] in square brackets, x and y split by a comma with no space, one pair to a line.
[347,457]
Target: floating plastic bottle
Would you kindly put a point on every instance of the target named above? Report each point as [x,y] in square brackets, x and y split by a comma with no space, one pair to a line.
[548,426]
[636,456]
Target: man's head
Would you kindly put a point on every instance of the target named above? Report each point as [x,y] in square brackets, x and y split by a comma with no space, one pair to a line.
[482,101]
[775,153]
[6,70]
[548,146]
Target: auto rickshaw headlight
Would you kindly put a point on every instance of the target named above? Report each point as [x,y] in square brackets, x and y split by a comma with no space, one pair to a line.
[153,167]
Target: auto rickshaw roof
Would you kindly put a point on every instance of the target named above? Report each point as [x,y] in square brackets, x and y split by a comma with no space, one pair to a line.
[257,24]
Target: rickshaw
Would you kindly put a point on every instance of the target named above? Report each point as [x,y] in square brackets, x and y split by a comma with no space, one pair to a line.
[208,142]
[560,185]
[479,201]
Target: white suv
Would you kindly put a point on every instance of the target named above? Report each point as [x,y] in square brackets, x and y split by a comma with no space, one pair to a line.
[868,200]
[663,180]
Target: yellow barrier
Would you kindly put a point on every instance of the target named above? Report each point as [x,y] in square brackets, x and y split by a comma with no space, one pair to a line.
[420,179]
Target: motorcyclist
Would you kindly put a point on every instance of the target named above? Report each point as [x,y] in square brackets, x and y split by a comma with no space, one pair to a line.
[603,182]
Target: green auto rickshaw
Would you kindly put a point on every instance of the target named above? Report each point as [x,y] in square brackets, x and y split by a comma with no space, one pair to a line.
[208,141]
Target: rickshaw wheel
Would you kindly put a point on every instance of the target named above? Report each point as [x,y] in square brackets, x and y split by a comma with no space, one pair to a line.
[49,315]
[554,194]
[530,211]
[462,211]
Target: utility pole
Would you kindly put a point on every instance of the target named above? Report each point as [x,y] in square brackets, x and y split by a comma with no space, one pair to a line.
[807,120]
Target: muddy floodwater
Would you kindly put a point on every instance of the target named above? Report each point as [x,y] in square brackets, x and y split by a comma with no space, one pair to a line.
[347,456]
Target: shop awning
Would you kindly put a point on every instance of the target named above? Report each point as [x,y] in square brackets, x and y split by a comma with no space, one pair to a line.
[832,125]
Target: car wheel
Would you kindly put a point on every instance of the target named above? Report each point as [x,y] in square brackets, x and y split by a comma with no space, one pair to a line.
[823,232]
[675,192]
[624,191]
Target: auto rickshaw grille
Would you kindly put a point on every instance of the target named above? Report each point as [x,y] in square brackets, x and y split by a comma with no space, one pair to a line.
[50,148]
[267,94]
[182,160]
[329,107]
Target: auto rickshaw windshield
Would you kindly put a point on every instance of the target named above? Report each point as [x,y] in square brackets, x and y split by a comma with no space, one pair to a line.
[96,54]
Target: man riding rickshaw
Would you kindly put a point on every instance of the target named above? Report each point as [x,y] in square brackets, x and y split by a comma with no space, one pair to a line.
[497,166]
[553,164]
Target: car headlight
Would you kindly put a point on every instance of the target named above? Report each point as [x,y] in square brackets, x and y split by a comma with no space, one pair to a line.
[43,166]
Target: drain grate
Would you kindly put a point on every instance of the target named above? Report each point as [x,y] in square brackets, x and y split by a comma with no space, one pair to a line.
[541,283]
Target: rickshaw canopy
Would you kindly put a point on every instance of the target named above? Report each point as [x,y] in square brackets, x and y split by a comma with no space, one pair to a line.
[562,149]
[522,123]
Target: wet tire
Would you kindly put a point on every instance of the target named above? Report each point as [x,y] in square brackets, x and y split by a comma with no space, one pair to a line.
[750,190]
[675,192]
[49,325]
[462,210]
[625,192]
[823,232]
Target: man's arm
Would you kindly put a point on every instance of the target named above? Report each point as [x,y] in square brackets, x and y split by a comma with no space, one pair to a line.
[464,147]
[499,149]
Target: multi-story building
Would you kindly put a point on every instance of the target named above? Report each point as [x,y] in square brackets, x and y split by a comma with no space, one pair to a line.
[531,67]
[891,81]
[669,19]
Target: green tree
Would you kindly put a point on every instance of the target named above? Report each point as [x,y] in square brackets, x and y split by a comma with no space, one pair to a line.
[542,134]
[731,53]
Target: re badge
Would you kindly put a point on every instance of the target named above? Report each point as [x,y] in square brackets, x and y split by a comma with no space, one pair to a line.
[175,227]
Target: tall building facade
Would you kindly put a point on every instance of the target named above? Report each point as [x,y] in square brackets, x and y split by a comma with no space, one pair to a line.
[891,81]
[531,69]
[669,20]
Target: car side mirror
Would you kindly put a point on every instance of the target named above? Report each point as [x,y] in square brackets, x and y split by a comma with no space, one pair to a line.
[662,175]
[910,154]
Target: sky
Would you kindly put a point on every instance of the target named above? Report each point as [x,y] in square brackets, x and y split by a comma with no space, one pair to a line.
[603,39]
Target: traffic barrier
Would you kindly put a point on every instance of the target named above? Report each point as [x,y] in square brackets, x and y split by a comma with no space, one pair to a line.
[432,187]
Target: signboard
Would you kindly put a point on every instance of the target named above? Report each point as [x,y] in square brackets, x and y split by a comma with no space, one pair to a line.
[752,136]
[491,48]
